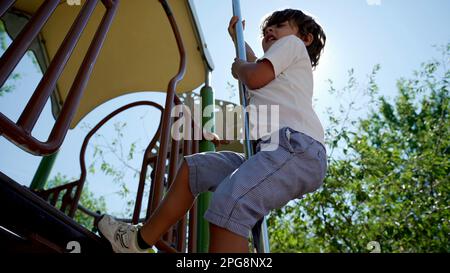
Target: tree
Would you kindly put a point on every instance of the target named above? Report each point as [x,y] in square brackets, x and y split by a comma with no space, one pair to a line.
[5,41]
[113,156]
[9,85]
[388,177]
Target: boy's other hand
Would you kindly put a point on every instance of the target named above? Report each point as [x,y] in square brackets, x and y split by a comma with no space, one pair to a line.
[215,139]
[232,27]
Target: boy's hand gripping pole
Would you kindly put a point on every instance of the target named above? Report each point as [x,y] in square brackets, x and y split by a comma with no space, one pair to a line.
[259,231]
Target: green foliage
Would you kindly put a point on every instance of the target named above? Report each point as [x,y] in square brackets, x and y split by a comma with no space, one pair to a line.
[87,200]
[388,179]
[110,150]
[9,86]
[3,35]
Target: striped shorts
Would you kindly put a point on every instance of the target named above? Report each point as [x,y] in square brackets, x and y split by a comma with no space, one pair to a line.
[286,165]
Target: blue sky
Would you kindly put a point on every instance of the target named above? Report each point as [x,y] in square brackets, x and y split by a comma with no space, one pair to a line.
[397,34]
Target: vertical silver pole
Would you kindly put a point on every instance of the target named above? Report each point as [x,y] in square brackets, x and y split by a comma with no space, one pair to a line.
[243,93]
[263,240]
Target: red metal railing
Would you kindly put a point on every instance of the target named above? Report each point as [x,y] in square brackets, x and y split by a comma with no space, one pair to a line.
[165,130]
[70,193]
[73,190]
[5,5]
[20,132]
[157,189]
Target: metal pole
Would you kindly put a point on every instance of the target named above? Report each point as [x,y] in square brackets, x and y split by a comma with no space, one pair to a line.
[45,167]
[42,173]
[5,5]
[241,54]
[260,230]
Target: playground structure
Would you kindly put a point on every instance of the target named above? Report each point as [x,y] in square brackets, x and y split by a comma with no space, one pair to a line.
[90,54]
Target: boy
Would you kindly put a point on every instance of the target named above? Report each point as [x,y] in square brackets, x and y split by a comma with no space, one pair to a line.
[246,190]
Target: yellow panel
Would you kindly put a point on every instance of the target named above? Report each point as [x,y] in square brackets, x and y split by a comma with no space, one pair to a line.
[139,53]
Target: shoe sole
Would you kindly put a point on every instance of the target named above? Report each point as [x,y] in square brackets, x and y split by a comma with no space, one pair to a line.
[103,236]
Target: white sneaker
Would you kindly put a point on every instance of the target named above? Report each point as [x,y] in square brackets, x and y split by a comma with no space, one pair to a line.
[122,236]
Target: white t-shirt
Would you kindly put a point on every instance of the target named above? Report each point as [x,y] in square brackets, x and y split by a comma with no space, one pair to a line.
[291,91]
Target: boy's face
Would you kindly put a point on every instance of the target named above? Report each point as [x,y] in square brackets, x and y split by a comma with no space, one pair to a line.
[274,32]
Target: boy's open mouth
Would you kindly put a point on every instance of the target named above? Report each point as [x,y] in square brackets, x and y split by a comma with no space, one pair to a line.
[270,37]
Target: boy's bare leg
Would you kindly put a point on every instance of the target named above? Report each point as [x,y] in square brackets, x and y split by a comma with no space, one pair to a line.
[225,241]
[175,204]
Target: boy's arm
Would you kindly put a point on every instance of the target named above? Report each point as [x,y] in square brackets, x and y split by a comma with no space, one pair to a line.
[253,75]
[251,57]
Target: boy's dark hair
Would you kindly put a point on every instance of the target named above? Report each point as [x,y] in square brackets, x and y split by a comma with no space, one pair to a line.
[306,24]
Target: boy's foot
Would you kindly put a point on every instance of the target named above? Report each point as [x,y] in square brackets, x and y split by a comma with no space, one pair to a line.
[122,236]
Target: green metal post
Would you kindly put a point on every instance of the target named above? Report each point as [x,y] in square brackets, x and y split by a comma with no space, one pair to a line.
[203,200]
[43,171]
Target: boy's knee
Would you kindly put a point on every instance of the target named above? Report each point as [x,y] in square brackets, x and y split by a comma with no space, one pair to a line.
[184,168]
